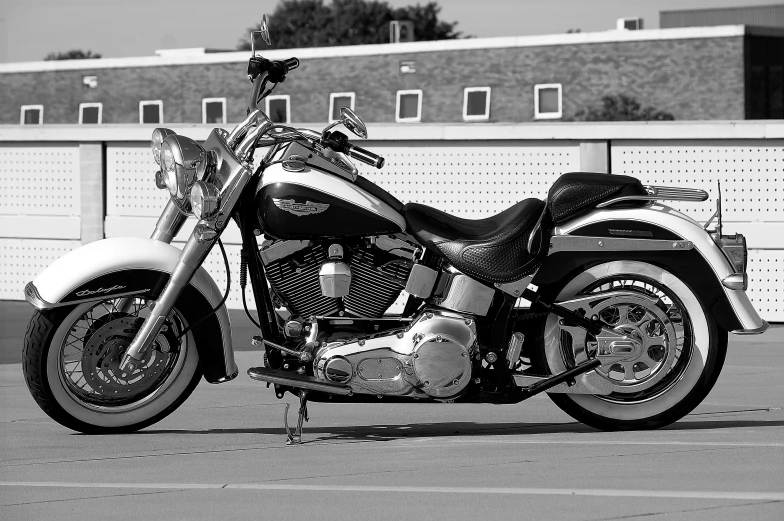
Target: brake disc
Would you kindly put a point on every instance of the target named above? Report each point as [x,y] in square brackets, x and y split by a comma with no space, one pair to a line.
[103,353]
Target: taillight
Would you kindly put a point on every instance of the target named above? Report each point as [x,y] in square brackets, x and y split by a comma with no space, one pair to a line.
[734,248]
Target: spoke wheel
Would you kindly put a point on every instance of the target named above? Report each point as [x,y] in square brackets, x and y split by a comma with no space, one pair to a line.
[71,364]
[656,330]
[677,348]
[94,347]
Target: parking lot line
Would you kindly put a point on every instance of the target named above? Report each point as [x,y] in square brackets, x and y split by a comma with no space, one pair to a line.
[675,494]
[426,442]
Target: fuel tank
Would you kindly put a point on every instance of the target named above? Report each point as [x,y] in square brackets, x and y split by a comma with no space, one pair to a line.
[314,203]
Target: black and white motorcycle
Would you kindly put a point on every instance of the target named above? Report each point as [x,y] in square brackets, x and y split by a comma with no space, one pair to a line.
[630,302]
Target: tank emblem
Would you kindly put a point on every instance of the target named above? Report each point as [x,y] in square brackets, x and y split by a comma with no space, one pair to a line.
[308,208]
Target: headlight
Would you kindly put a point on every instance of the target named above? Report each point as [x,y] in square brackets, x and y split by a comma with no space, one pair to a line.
[169,168]
[184,161]
[158,136]
[205,200]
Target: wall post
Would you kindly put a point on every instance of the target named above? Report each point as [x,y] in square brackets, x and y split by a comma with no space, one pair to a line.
[91,184]
[595,156]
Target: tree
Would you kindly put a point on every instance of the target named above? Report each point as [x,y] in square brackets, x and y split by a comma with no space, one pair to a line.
[311,23]
[75,54]
[620,107]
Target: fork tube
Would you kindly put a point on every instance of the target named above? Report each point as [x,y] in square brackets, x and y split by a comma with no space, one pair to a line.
[169,223]
[168,226]
[193,254]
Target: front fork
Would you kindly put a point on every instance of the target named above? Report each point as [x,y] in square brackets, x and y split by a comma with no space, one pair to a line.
[193,254]
[168,226]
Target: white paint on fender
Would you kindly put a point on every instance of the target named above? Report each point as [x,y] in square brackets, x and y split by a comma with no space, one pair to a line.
[670,219]
[125,253]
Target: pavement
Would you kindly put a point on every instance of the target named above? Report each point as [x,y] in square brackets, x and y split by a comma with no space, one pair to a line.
[222,455]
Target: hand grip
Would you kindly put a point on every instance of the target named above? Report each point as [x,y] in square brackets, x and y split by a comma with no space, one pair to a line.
[365,156]
[291,63]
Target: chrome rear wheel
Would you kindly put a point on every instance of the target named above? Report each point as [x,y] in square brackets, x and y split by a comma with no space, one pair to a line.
[676,355]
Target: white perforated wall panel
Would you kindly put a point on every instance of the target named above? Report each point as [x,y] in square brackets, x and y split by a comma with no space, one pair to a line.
[751,174]
[752,184]
[471,179]
[39,179]
[766,283]
[21,260]
[130,181]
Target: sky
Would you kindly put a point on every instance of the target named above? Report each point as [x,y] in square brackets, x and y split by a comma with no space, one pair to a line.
[30,29]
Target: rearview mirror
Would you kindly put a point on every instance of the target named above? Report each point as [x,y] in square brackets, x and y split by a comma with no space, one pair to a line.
[263,32]
[352,122]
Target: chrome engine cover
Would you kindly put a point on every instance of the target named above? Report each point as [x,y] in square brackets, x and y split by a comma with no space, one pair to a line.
[430,359]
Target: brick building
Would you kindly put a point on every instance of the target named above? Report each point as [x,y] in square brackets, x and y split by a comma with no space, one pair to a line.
[694,73]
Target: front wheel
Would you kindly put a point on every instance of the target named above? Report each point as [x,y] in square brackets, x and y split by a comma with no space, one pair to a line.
[681,349]
[71,361]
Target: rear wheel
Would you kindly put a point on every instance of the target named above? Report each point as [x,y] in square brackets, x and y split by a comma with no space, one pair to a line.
[71,366]
[679,349]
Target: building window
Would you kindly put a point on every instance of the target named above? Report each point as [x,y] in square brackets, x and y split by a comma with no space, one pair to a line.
[213,110]
[767,92]
[409,106]
[90,113]
[547,101]
[476,103]
[32,115]
[338,100]
[278,108]
[151,112]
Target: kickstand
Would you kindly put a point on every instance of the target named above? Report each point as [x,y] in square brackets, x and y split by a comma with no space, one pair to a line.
[296,438]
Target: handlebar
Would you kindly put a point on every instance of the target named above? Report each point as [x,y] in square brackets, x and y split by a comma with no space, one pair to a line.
[338,142]
[365,156]
[262,70]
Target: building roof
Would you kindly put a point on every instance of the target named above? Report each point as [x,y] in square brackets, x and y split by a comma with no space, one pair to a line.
[757,15]
[200,58]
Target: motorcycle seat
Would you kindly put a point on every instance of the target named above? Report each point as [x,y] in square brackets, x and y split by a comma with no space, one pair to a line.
[494,249]
[578,193]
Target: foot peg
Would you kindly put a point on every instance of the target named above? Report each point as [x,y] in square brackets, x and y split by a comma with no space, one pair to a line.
[296,437]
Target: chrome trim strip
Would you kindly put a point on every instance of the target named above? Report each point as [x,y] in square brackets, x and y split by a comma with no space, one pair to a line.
[34,298]
[758,331]
[580,243]
[360,319]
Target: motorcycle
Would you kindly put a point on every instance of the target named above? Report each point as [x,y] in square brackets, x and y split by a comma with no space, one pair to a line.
[616,305]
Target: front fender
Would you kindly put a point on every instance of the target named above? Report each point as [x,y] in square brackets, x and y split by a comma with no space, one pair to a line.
[703,268]
[124,266]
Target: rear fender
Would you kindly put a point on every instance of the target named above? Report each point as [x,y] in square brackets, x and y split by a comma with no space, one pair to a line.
[126,266]
[702,268]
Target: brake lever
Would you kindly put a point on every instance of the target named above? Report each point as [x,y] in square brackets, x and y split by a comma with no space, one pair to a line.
[340,160]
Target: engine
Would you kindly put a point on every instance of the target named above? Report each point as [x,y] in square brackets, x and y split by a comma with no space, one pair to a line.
[360,278]
[432,358]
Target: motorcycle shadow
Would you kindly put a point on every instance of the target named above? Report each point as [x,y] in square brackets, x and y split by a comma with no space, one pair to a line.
[370,433]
